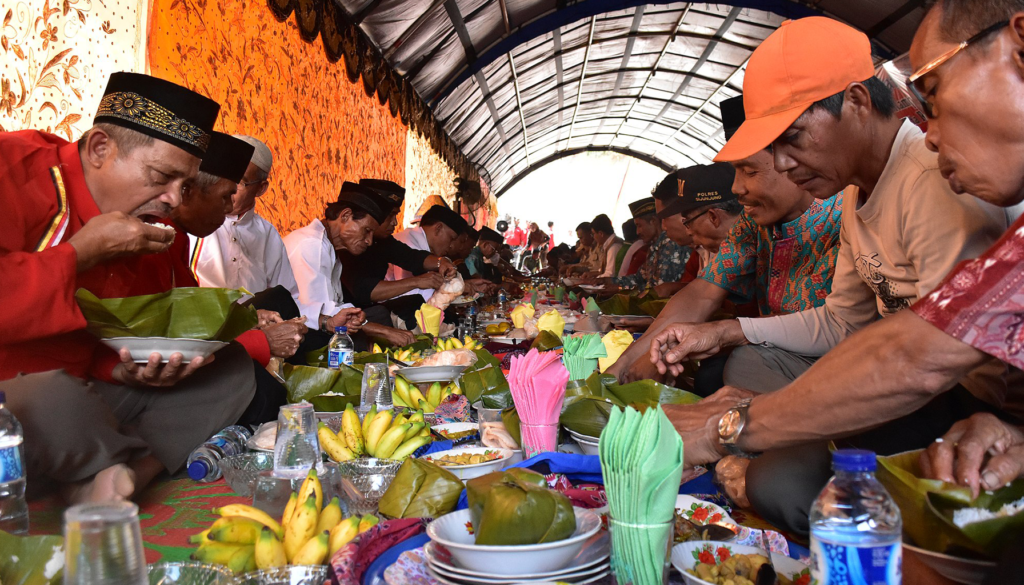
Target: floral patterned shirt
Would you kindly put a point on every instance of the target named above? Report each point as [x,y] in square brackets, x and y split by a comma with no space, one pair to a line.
[665,262]
[786,268]
[981,302]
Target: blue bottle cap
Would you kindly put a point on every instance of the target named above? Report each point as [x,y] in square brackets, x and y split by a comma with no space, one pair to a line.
[853,460]
[341,329]
[198,469]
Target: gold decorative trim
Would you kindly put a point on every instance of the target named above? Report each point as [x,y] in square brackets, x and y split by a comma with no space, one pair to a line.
[54,231]
[132,107]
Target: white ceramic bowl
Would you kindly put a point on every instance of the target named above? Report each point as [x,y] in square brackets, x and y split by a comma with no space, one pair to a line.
[421,374]
[451,532]
[961,570]
[466,472]
[142,347]
[588,447]
[685,556]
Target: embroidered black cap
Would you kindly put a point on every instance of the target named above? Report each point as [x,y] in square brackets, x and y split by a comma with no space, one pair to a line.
[440,213]
[390,189]
[642,207]
[227,157]
[159,108]
[699,186]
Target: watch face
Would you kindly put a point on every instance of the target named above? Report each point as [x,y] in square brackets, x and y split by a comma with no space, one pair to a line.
[728,423]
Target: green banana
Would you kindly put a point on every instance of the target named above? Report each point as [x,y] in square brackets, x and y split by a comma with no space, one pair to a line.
[391,440]
[410,446]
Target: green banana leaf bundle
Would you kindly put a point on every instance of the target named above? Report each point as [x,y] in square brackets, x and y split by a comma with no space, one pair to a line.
[622,304]
[484,381]
[546,341]
[516,508]
[587,407]
[510,418]
[185,313]
[928,505]
[308,383]
[421,489]
[29,560]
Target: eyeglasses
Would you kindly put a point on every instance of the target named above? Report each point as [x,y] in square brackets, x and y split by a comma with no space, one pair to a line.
[688,222]
[936,62]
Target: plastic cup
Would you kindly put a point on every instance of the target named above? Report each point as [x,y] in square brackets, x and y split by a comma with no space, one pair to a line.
[376,387]
[538,439]
[639,550]
[297,447]
[103,545]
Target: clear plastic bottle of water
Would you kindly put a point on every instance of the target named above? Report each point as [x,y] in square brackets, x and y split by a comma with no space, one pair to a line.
[204,463]
[340,349]
[13,508]
[855,526]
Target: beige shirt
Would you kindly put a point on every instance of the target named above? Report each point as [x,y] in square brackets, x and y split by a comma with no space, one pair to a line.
[897,245]
[609,251]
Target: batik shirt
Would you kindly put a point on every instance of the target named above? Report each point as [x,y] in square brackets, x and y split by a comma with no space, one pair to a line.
[665,262]
[787,267]
[981,302]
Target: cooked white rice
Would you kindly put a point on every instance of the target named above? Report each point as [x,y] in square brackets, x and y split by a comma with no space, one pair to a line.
[965,516]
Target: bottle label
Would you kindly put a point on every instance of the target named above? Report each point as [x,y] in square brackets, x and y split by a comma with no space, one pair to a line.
[10,464]
[843,564]
[336,357]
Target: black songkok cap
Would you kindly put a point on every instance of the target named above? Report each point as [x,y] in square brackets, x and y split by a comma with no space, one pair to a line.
[389,189]
[489,235]
[440,213]
[159,108]
[386,204]
[732,115]
[365,199]
[227,157]
[642,207]
[700,186]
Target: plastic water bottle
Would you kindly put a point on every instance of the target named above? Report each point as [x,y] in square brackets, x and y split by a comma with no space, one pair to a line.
[204,463]
[340,350]
[13,509]
[855,526]
[473,312]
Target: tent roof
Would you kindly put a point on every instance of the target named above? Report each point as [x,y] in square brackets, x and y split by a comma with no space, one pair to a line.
[520,83]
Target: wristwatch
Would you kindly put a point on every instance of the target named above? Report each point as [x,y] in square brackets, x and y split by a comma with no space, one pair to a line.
[731,426]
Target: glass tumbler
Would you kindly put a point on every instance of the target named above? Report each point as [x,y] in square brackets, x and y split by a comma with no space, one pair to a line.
[103,545]
[297,447]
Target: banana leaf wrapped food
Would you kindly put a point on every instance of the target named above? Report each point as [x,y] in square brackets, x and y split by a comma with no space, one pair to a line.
[516,507]
[930,507]
[182,313]
[586,408]
[421,489]
[31,560]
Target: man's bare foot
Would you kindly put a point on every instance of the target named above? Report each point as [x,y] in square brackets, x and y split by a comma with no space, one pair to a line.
[114,484]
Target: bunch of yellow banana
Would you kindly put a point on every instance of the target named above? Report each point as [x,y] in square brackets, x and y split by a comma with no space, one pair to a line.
[406,355]
[246,538]
[406,394]
[456,343]
[380,434]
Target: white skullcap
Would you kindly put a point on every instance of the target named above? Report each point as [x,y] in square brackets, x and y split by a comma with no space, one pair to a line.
[261,157]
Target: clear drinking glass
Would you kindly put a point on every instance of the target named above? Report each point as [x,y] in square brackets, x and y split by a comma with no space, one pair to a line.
[103,545]
[297,447]
[538,439]
[376,388]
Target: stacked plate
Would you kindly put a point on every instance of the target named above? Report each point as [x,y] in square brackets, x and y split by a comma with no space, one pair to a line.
[589,566]
[587,444]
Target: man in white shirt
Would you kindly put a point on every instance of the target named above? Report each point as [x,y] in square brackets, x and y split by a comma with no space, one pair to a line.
[437,230]
[608,242]
[348,224]
[246,251]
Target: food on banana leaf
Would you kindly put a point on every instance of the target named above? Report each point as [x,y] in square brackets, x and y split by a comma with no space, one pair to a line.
[455,436]
[421,489]
[965,516]
[451,357]
[515,507]
[465,458]
[31,560]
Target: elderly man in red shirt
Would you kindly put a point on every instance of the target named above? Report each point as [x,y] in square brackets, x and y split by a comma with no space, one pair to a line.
[97,425]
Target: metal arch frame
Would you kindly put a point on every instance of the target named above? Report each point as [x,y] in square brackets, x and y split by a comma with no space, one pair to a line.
[574,151]
[582,10]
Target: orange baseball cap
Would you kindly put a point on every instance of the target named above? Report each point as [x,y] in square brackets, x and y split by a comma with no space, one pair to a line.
[803,61]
